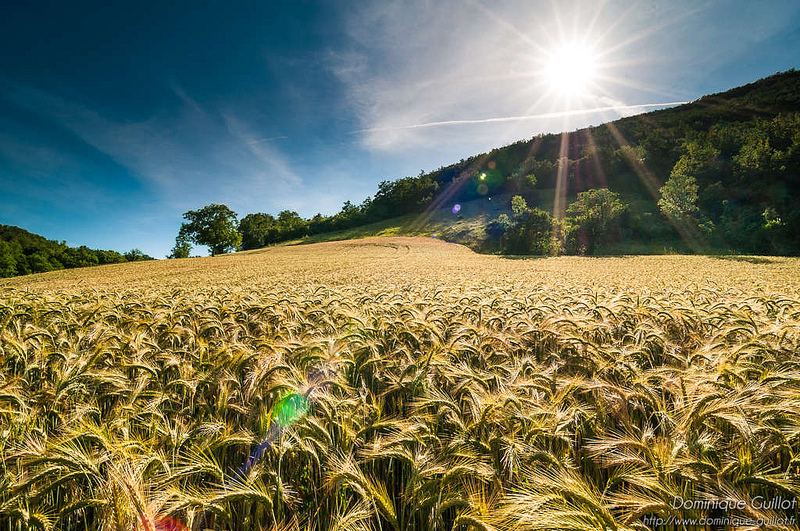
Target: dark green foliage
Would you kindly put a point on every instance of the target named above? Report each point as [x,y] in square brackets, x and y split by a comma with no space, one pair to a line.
[8,259]
[290,225]
[113,257]
[499,226]
[395,198]
[593,221]
[182,247]
[532,235]
[23,253]
[213,225]
[529,232]
[747,176]
[80,257]
[135,255]
[519,208]
[257,230]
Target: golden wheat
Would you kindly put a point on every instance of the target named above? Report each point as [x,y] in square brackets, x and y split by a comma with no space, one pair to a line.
[399,384]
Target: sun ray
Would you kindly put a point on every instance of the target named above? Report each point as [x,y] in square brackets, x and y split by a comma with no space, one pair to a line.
[595,158]
[444,197]
[638,85]
[688,233]
[560,194]
[510,26]
[648,179]
[651,30]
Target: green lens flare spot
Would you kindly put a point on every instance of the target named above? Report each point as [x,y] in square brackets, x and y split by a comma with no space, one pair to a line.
[290,409]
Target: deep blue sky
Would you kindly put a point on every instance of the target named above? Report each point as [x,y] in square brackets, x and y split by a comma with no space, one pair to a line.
[116,117]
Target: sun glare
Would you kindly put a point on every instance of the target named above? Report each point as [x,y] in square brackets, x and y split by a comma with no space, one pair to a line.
[570,70]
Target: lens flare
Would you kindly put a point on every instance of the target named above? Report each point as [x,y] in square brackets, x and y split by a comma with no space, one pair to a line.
[165,523]
[290,409]
[456,208]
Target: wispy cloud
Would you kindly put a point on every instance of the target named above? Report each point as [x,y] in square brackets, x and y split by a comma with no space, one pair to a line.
[270,139]
[188,156]
[52,176]
[619,108]
[272,160]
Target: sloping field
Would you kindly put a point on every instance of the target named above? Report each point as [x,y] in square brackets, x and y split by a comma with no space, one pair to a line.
[399,384]
[377,263]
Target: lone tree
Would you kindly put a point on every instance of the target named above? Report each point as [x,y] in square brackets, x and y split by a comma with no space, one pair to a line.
[213,225]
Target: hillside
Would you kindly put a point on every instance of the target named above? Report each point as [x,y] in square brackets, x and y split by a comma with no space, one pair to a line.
[23,252]
[734,159]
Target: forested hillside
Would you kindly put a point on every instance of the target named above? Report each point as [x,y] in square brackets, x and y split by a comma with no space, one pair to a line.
[22,252]
[716,175]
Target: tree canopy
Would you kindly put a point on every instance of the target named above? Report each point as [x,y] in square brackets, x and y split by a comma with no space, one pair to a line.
[213,225]
[592,220]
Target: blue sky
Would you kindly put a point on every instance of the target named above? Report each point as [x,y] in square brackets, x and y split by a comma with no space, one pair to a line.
[117,117]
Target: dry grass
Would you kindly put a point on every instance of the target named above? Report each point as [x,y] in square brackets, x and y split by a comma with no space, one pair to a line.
[396,383]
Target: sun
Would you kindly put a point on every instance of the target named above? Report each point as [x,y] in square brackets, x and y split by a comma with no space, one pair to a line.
[570,70]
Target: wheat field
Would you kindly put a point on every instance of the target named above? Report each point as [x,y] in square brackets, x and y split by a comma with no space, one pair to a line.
[396,384]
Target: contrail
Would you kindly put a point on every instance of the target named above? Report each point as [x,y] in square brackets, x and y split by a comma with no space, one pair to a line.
[526,117]
[259,140]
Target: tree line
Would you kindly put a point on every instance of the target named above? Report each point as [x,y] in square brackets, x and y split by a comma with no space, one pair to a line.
[22,253]
[218,227]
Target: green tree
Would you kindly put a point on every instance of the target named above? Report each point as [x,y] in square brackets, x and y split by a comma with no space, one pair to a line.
[8,262]
[592,220]
[519,207]
[349,216]
[79,257]
[109,257]
[257,230]
[290,225]
[532,235]
[213,225]
[182,247]
[679,197]
[395,198]
[499,226]
[135,255]
[523,179]
[40,262]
